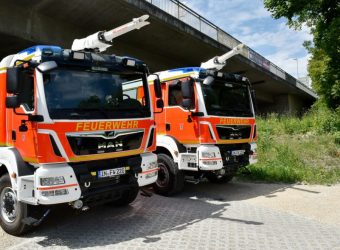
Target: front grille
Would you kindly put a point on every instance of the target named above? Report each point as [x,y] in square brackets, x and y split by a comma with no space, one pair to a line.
[233,132]
[231,160]
[109,187]
[104,142]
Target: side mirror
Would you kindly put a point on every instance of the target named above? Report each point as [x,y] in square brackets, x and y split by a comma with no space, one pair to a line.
[12,102]
[160,104]
[47,66]
[157,87]
[187,103]
[13,80]
[187,89]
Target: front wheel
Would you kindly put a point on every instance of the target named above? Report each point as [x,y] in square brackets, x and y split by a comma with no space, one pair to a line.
[170,179]
[12,211]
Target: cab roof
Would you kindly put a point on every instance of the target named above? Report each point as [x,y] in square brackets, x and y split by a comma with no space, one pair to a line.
[41,53]
[198,72]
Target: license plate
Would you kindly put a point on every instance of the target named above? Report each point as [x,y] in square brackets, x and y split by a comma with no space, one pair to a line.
[237,152]
[111,172]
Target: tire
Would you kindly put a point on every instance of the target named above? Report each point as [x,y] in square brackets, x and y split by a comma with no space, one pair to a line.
[213,178]
[11,222]
[170,180]
[128,197]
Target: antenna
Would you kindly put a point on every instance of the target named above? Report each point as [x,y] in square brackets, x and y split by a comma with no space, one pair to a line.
[218,62]
[102,40]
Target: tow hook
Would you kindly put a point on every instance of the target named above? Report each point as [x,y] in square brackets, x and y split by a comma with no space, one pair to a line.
[194,180]
[221,172]
[79,205]
[85,208]
[35,222]
[145,191]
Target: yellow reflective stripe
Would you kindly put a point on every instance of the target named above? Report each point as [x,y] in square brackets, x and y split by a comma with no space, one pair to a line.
[232,141]
[105,156]
[29,159]
[190,142]
[176,77]
[172,78]
[27,58]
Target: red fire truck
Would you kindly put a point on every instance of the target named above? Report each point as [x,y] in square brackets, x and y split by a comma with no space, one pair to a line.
[207,128]
[70,129]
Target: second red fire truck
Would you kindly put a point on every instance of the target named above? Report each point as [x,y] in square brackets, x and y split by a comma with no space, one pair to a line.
[207,128]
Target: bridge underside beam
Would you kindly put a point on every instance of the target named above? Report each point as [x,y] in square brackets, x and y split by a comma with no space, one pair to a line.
[166,43]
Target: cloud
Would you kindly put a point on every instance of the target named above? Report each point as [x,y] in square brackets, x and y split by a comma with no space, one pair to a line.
[229,14]
[285,44]
[249,22]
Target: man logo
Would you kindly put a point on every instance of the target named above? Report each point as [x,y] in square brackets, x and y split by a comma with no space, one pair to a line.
[236,135]
[118,145]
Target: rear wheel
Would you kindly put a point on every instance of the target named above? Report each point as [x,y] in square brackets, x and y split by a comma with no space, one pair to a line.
[215,178]
[12,211]
[170,179]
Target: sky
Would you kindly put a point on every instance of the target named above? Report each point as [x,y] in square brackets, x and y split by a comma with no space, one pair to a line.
[249,22]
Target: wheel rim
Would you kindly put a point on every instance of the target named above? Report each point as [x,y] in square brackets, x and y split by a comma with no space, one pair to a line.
[163,175]
[8,204]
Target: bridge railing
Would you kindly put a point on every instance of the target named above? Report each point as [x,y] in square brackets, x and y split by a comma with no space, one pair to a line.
[195,20]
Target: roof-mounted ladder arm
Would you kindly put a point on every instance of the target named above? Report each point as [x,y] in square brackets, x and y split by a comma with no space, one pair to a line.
[102,40]
[218,62]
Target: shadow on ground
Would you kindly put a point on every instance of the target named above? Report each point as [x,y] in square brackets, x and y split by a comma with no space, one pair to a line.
[147,218]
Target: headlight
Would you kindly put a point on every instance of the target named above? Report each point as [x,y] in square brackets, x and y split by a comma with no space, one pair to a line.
[52,181]
[208,155]
[209,162]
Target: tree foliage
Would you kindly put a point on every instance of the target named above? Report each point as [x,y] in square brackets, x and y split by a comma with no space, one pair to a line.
[323,17]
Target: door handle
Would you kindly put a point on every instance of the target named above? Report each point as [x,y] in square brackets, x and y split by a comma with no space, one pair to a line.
[167,126]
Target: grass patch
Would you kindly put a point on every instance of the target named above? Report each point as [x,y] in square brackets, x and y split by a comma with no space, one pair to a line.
[298,150]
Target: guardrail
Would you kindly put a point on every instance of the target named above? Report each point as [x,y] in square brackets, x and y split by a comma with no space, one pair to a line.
[195,20]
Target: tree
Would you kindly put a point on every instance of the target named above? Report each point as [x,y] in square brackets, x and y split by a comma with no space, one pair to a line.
[323,17]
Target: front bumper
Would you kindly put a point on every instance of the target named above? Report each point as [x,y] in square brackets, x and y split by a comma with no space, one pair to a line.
[215,157]
[253,153]
[81,181]
[206,158]
[149,172]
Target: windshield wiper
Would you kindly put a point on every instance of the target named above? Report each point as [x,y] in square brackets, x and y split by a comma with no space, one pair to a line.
[223,111]
[141,110]
[101,110]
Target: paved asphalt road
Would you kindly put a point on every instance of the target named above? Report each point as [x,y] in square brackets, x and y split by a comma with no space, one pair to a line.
[237,215]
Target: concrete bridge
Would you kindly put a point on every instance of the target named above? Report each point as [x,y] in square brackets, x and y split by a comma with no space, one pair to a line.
[177,37]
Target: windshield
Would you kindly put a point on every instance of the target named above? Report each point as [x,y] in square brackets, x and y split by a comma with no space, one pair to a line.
[79,94]
[224,98]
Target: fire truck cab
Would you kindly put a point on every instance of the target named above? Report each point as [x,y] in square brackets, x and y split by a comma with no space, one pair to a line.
[207,128]
[70,132]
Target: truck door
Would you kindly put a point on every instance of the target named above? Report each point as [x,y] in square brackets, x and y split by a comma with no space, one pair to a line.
[21,132]
[178,122]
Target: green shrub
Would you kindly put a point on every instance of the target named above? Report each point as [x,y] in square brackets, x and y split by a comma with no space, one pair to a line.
[293,149]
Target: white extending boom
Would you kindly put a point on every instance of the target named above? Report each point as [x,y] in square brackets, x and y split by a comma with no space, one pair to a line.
[218,62]
[103,39]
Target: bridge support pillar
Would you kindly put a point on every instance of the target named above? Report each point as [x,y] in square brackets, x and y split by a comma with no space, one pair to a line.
[288,104]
